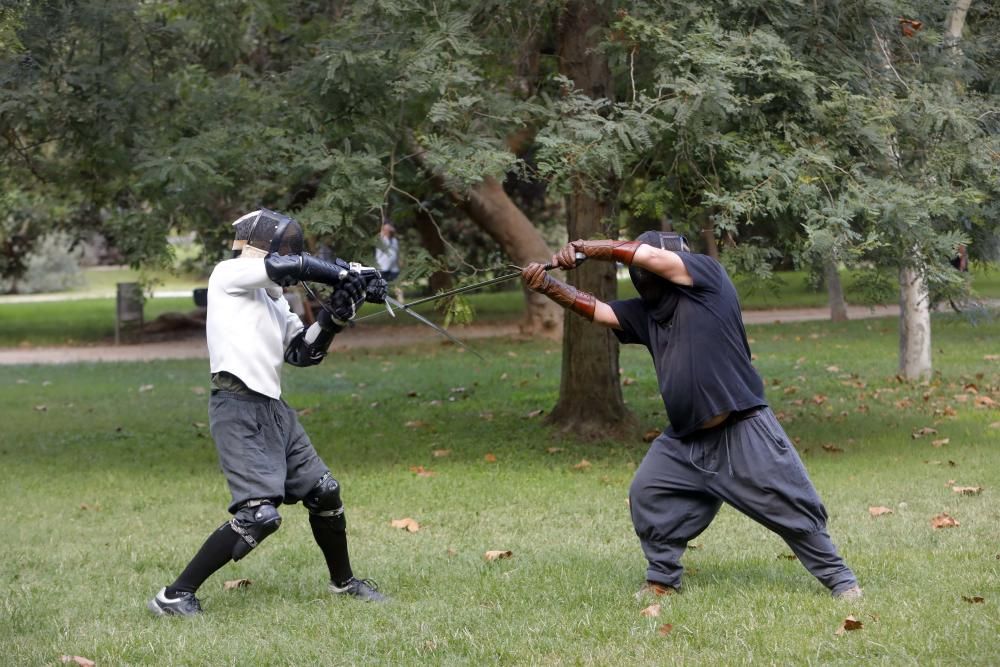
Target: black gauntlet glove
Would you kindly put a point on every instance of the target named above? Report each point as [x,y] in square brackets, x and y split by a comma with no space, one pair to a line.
[378,289]
[347,297]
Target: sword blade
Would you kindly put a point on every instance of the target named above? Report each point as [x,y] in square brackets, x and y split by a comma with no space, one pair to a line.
[426,321]
[458,290]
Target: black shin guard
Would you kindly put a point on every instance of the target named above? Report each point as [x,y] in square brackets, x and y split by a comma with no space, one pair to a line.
[214,553]
[331,536]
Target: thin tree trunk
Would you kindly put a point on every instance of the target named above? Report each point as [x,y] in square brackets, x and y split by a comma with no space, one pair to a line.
[708,235]
[834,291]
[590,402]
[914,326]
[431,240]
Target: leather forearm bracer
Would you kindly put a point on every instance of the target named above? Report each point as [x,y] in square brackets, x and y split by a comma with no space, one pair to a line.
[608,250]
[567,296]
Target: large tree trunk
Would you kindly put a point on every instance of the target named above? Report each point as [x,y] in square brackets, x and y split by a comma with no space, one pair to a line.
[590,402]
[834,291]
[914,326]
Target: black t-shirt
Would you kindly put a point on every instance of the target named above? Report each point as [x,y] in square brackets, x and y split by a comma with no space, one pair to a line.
[701,354]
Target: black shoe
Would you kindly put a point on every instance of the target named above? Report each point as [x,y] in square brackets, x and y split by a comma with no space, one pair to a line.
[363,589]
[185,604]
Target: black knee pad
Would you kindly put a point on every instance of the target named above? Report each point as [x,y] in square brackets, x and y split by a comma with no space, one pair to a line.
[253,522]
[324,499]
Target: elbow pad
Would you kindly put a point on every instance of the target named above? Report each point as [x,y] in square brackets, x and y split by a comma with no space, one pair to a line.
[286,270]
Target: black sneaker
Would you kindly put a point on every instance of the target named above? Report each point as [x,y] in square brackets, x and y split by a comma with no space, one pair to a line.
[363,589]
[185,604]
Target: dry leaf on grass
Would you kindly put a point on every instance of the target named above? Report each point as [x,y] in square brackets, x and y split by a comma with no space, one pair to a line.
[787,557]
[665,629]
[943,520]
[628,381]
[41,408]
[975,599]
[415,423]
[833,449]
[406,524]
[235,583]
[984,402]
[490,458]
[200,391]
[651,611]
[879,511]
[850,623]
[440,453]
[554,450]
[941,442]
[582,465]
[95,507]
[995,425]
[421,471]
[921,432]
[534,413]
[650,435]
[305,412]
[145,388]
[77,660]
[967,490]
[497,555]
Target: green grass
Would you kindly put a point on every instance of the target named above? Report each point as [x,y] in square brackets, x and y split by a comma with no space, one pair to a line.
[109,486]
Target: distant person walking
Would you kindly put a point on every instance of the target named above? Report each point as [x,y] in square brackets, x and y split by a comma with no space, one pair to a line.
[387,252]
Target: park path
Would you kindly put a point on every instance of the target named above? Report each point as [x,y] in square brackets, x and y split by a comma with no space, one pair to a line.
[194,347]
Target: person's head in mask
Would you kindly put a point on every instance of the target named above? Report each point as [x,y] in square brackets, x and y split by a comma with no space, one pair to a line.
[265,231]
[658,293]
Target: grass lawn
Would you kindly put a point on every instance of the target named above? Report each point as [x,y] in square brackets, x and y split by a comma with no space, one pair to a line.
[110,483]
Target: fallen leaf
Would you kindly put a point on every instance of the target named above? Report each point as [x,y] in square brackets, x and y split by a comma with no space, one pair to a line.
[451,552]
[984,402]
[833,449]
[415,423]
[941,442]
[921,432]
[967,490]
[554,450]
[534,413]
[490,458]
[582,465]
[651,611]
[665,629]
[486,416]
[628,381]
[651,435]
[497,555]
[413,394]
[145,387]
[305,412]
[833,369]
[235,583]
[440,453]
[879,511]
[41,408]
[903,404]
[199,425]
[421,471]
[995,425]
[406,524]
[96,507]
[943,520]
[77,660]
[975,599]
[991,357]
[850,623]
[200,391]
[787,557]
[819,399]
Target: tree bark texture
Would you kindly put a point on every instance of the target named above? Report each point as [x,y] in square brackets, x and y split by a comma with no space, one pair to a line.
[492,210]
[430,239]
[834,291]
[590,403]
[914,326]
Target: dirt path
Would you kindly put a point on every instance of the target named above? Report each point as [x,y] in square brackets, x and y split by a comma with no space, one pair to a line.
[194,347]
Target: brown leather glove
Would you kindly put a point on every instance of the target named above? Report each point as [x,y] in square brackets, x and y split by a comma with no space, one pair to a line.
[537,279]
[607,250]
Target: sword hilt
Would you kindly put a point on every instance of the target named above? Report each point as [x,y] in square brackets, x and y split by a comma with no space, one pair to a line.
[580,259]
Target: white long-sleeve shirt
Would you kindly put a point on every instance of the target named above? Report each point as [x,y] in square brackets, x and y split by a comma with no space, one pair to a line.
[248,324]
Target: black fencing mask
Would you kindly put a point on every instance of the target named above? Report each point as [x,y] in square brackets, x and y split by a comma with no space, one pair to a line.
[265,231]
[658,294]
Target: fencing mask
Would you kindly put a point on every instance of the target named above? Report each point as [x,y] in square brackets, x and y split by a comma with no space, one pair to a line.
[658,293]
[265,231]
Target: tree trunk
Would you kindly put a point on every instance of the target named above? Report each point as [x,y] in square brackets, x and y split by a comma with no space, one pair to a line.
[590,403]
[955,22]
[914,326]
[708,235]
[834,291]
[431,240]
[488,206]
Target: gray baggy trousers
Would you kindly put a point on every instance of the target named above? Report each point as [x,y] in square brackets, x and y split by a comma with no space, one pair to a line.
[747,462]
